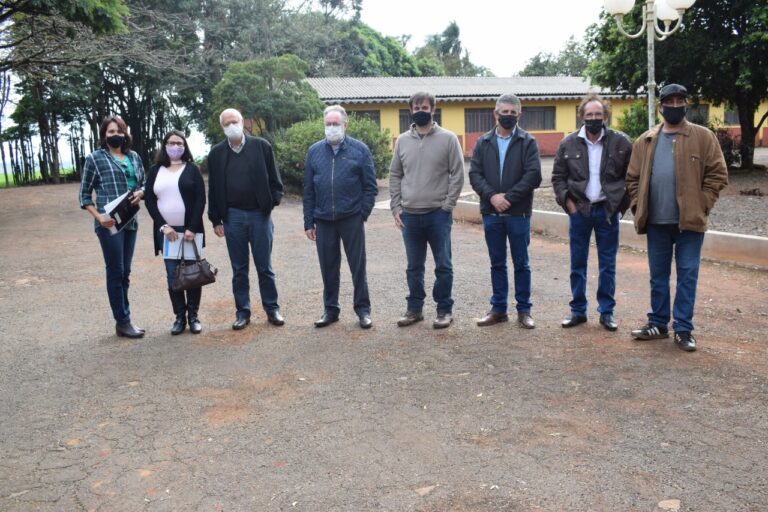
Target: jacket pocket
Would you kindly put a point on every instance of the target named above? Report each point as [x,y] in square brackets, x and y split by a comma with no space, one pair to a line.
[615,165]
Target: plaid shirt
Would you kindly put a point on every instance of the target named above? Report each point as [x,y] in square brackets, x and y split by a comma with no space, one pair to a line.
[102,174]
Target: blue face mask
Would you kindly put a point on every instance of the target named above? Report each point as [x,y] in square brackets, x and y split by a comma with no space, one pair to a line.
[422,118]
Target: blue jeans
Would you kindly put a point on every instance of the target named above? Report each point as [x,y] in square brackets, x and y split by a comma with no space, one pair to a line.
[330,235]
[118,253]
[516,230]
[433,229]
[663,240]
[253,227]
[607,240]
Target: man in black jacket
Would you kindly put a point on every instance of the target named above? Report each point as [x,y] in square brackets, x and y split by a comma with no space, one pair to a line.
[588,180]
[243,187]
[504,172]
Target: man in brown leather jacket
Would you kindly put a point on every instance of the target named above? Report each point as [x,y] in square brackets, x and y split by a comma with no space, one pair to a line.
[588,180]
[675,175]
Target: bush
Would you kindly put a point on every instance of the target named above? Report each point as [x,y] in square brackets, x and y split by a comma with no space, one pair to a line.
[291,146]
[634,120]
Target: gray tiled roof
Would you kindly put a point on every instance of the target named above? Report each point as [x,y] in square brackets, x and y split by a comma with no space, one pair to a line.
[450,88]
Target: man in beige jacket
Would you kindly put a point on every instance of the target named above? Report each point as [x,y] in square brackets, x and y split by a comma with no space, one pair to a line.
[675,175]
[425,180]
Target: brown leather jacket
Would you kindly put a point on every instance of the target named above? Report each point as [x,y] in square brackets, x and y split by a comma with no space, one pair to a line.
[700,174]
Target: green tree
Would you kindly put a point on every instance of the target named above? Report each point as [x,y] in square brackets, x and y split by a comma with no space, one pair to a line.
[292,145]
[271,93]
[51,24]
[572,60]
[720,55]
[446,49]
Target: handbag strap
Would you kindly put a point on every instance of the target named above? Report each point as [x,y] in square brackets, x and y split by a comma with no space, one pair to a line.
[194,247]
[181,251]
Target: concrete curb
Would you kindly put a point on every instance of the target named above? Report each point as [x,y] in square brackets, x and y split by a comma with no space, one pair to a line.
[746,250]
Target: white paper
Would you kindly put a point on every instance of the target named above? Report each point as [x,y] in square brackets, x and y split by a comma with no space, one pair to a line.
[111,206]
[172,250]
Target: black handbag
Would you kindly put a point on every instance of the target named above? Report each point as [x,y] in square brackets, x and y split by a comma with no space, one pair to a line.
[193,274]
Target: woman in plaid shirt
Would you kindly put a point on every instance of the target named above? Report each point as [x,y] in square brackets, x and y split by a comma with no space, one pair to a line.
[112,171]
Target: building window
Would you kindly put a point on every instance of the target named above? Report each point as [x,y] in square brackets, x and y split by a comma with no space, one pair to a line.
[405,119]
[478,120]
[731,117]
[698,114]
[373,115]
[538,118]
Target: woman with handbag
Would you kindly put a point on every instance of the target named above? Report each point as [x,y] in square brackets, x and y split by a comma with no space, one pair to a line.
[111,171]
[176,199]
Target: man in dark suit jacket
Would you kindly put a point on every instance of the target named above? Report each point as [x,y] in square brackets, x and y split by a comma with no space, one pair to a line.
[243,187]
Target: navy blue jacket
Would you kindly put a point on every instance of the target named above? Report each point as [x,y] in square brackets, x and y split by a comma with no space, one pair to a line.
[522,172]
[340,185]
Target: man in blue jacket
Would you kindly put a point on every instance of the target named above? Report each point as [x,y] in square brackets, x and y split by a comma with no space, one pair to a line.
[504,172]
[339,192]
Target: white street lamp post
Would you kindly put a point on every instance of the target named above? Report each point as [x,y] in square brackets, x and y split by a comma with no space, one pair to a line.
[670,13]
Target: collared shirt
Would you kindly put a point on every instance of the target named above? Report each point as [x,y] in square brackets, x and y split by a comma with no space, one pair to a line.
[503,143]
[102,174]
[239,148]
[594,191]
[337,147]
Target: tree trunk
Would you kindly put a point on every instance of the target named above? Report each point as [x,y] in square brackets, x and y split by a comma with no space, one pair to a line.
[54,150]
[747,110]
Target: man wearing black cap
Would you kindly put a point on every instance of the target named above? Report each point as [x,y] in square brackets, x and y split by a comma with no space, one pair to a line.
[675,175]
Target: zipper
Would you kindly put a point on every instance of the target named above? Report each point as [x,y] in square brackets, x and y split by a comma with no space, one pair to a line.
[333,192]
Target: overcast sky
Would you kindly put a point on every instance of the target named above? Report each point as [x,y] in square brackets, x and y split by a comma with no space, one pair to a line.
[499,34]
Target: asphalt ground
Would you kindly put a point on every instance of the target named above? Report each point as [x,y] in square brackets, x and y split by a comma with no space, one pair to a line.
[341,419]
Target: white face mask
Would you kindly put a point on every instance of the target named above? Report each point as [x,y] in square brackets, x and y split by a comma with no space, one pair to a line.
[233,131]
[334,134]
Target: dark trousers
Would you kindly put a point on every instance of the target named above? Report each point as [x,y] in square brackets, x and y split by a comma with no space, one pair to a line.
[244,227]
[118,253]
[607,240]
[500,229]
[330,234]
[431,229]
[664,240]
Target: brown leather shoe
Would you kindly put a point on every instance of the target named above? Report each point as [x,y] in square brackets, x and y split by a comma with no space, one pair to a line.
[525,320]
[492,318]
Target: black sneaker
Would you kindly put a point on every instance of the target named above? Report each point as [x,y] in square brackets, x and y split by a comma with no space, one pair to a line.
[685,341]
[650,332]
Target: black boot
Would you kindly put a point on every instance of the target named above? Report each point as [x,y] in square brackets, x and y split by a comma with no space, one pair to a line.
[180,310]
[193,304]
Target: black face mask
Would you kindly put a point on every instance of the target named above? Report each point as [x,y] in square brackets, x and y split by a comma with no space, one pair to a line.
[116,141]
[673,115]
[593,126]
[421,118]
[507,121]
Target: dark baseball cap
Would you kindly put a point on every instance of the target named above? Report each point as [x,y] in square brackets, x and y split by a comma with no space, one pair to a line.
[672,90]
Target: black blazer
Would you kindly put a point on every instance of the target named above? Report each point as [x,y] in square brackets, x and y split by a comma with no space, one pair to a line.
[265,177]
[192,188]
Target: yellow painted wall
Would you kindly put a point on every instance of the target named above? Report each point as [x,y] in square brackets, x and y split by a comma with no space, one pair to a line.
[452,113]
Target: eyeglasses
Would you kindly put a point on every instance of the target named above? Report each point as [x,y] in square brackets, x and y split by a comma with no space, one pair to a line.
[171,143]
